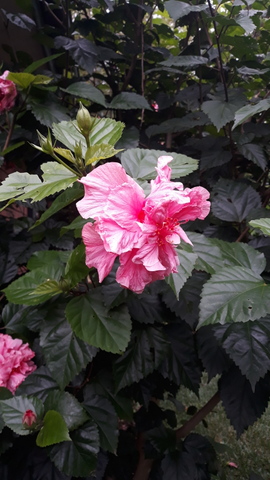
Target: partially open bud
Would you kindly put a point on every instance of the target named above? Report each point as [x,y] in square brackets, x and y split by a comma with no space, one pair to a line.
[84,120]
[29,418]
[46,143]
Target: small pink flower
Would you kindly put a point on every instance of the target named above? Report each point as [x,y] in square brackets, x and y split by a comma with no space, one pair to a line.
[29,418]
[142,231]
[15,362]
[8,93]
[232,465]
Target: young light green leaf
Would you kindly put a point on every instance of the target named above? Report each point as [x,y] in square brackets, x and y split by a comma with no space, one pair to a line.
[95,324]
[99,152]
[263,224]
[54,430]
[232,296]
[22,186]
[24,80]
[248,111]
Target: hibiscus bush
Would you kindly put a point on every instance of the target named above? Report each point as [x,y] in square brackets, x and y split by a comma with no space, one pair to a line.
[135,235]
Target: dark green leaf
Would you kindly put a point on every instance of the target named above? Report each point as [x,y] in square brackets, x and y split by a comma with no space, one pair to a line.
[48,112]
[65,354]
[88,91]
[181,363]
[76,269]
[178,9]
[40,383]
[232,201]
[232,295]
[255,153]
[104,415]
[98,326]
[240,254]
[68,406]
[78,457]
[145,352]
[128,101]
[243,406]
[13,409]
[248,345]
[74,192]
[83,51]
[209,258]
[187,262]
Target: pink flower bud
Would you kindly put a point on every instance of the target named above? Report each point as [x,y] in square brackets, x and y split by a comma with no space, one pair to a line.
[8,92]
[29,418]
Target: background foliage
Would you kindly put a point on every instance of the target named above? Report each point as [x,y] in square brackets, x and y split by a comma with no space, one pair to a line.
[190,78]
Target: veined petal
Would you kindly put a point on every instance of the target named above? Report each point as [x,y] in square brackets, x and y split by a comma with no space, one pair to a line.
[182,234]
[148,255]
[98,185]
[125,205]
[96,255]
[117,239]
[132,275]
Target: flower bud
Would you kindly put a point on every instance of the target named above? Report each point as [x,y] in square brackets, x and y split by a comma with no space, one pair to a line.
[84,121]
[46,143]
[29,418]
[78,151]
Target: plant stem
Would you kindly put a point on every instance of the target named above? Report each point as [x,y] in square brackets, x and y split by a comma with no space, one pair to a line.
[220,63]
[198,417]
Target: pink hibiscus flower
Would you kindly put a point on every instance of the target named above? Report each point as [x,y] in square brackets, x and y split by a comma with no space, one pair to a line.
[15,362]
[8,92]
[142,231]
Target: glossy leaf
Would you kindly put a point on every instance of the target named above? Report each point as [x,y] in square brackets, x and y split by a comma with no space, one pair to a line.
[13,409]
[141,163]
[65,354]
[68,406]
[187,263]
[232,296]
[87,91]
[78,457]
[128,101]
[99,152]
[248,346]
[248,111]
[178,9]
[97,325]
[104,415]
[145,352]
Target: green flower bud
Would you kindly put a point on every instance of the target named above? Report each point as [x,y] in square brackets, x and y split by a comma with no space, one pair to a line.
[46,143]
[84,121]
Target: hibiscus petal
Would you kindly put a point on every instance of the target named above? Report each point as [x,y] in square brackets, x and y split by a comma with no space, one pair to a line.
[96,255]
[148,255]
[132,275]
[117,239]
[125,205]
[98,185]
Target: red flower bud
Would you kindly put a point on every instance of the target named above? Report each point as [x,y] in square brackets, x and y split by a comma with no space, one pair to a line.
[29,418]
